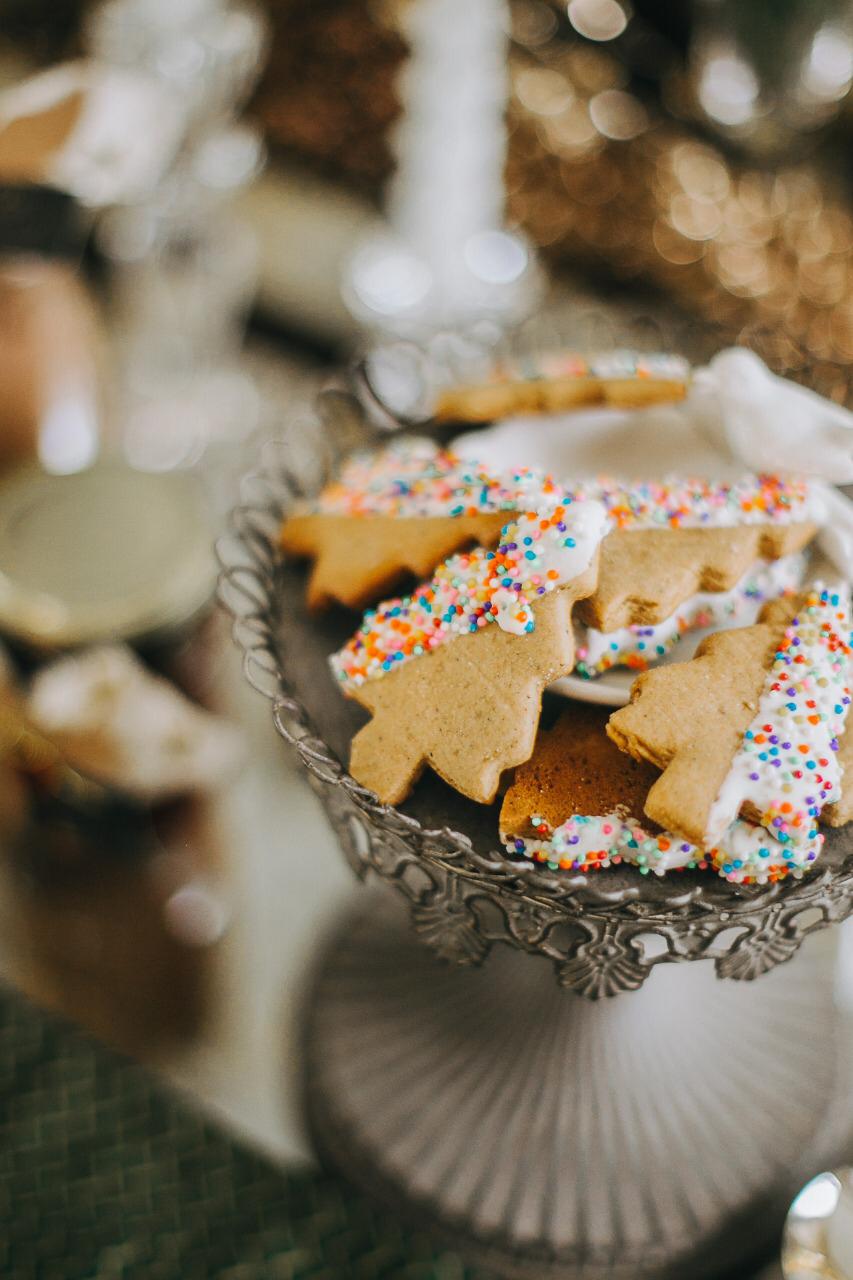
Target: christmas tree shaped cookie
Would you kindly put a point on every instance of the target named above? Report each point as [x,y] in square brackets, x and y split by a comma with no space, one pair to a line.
[646,574]
[577,805]
[405,508]
[750,726]
[356,561]
[453,675]
[400,511]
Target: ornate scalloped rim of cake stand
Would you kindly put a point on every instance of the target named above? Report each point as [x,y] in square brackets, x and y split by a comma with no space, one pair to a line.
[602,938]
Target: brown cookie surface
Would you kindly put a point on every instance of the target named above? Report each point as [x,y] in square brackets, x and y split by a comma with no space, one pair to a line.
[575,769]
[646,574]
[502,398]
[359,559]
[469,709]
[523,395]
[689,719]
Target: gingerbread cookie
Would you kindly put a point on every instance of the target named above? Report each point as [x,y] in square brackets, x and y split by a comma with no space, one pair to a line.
[750,726]
[356,561]
[557,381]
[575,768]
[397,511]
[577,805]
[679,537]
[453,675]
[639,646]
[393,511]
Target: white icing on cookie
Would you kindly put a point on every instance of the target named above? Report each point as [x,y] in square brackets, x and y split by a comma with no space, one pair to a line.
[539,551]
[787,767]
[746,852]
[639,647]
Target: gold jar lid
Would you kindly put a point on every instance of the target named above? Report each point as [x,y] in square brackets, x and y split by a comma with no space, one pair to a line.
[105,554]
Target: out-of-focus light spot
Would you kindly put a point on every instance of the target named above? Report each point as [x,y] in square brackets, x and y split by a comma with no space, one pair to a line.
[618,115]
[818,1198]
[195,915]
[68,436]
[702,174]
[495,257]
[828,70]
[598,19]
[543,91]
[728,89]
[572,131]
[389,279]
[694,218]
[674,247]
[165,432]
[743,269]
[533,23]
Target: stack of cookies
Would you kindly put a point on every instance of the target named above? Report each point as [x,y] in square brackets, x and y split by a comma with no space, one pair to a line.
[729,761]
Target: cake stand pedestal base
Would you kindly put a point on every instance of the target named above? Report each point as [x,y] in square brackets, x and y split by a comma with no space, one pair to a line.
[660,1133]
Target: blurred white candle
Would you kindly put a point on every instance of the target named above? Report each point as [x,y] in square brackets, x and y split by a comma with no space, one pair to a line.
[451,143]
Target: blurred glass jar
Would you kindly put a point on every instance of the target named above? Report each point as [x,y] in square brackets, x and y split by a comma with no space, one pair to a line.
[107,761]
[183,275]
[764,73]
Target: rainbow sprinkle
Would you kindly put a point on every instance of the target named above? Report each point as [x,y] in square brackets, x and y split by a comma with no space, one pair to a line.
[694,503]
[413,477]
[637,646]
[609,366]
[538,552]
[787,768]
[746,854]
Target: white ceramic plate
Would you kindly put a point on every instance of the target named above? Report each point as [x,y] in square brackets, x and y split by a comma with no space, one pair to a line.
[613,688]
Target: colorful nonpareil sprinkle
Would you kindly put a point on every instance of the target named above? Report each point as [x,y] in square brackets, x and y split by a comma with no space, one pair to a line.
[413,477]
[747,854]
[638,647]
[786,769]
[609,366]
[657,366]
[698,504]
[539,552]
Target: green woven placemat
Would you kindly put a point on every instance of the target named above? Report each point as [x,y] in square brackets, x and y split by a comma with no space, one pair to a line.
[104,1176]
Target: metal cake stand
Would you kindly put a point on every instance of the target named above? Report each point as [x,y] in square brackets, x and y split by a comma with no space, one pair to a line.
[545,1128]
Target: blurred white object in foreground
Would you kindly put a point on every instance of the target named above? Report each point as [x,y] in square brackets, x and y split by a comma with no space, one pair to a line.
[446,257]
[117,723]
[209,52]
[818,1242]
[107,136]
